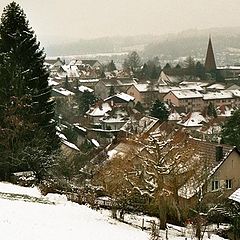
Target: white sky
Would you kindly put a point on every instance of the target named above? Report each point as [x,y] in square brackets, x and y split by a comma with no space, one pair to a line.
[75,19]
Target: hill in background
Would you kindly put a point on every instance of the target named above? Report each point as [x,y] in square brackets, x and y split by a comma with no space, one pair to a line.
[169,47]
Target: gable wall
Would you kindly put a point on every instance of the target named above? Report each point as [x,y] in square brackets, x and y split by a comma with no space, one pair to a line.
[230,169]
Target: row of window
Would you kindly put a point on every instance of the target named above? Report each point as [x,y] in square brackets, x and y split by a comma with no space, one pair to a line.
[216,184]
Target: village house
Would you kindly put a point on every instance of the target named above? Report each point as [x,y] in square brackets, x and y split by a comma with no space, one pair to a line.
[53,64]
[217,175]
[225,176]
[95,114]
[82,89]
[114,122]
[120,99]
[190,101]
[143,92]
[63,93]
[222,98]
[102,88]
[88,82]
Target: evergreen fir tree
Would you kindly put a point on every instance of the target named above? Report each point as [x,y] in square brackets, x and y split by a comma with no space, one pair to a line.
[111,66]
[200,70]
[85,100]
[159,111]
[167,68]
[22,69]
[28,137]
[211,111]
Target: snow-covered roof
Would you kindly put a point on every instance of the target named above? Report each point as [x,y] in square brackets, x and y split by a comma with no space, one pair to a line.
[167,89]
[217,86]
[236,196]
[79,127]
[235,92]
[141,126]
[63,92]
[163,79]
[125,97]
[83,89]
[234,87]
[192,83]
[185,94]
[61,135]
[144,87]
[70,71]
[229,68]
[88,80]
[95,142]
[51,82]
[224,94]
[70,145]
[225,111]
[174,117]
[122,96]
[195,119]
[100,110]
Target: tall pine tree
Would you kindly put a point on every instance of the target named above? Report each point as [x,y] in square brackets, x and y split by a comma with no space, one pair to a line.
[22,69]
[26,109]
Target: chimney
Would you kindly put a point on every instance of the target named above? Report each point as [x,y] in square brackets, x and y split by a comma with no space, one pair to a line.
[219,153]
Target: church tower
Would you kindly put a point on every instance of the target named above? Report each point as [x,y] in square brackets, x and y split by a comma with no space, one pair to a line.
[210,64]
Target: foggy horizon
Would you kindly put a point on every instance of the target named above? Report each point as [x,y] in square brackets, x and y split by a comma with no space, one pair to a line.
[68,21]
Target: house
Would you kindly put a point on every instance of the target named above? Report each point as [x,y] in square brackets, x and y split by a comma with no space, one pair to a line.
[143,92]
[102,88]
[141,127]
[190,101]
[92,63]
[216,178]
[88,82]
[120,99]
[216,87]
[95,114]
[53,64]
[61,92]
[113,122]
[193,120]
[222,98]
[225,176]
[165,79]
[82,89]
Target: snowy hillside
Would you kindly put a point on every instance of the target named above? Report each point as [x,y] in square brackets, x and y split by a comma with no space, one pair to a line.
[26,215]
[25,220]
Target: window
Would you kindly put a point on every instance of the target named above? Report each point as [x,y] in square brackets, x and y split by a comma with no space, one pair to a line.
[215,185]
[229,183]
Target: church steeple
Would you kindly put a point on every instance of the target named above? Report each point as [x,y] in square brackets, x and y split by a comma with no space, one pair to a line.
[210,64]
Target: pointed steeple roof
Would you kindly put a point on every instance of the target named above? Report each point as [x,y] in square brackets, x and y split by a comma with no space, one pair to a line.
[210,63]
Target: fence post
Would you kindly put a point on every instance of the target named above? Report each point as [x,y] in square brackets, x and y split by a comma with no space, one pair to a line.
[142,224]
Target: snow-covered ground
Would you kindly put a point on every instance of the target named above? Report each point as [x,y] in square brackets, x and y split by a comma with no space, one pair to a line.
[26,215]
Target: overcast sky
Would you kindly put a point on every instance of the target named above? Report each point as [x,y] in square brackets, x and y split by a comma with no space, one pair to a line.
[75,19]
